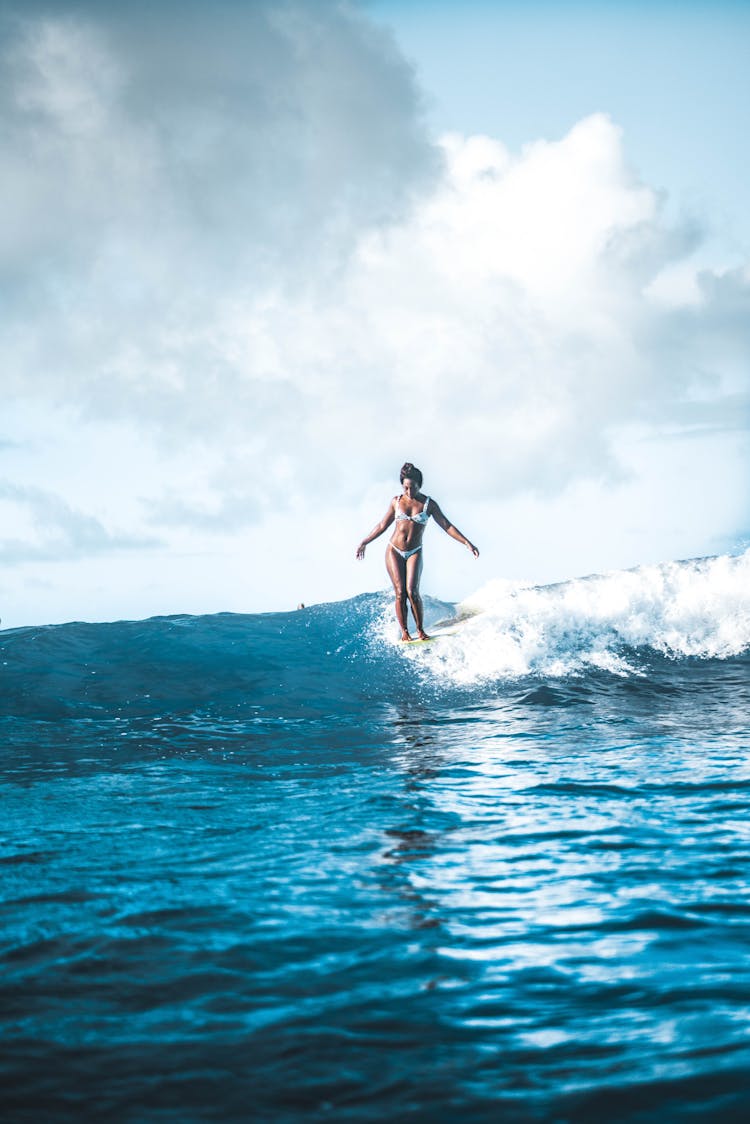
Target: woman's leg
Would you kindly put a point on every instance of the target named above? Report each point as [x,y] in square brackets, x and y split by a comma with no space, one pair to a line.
[413,574]
[396,567]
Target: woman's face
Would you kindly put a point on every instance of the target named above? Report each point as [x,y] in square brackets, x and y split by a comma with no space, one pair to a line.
[410,486]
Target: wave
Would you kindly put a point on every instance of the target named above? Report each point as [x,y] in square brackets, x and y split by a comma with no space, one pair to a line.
[318,661]
[613,621]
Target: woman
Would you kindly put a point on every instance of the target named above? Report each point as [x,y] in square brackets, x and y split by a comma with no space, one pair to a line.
[403,557]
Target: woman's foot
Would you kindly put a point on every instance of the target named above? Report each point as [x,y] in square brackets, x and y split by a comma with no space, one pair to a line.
[405,637]
[422,635]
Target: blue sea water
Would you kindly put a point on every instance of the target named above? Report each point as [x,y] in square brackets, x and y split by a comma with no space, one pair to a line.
[280,868]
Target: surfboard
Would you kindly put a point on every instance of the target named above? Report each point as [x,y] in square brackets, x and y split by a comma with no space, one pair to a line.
[430,639]
[448,626]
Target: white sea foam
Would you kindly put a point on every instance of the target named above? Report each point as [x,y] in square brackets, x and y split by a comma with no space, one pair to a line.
[696,608]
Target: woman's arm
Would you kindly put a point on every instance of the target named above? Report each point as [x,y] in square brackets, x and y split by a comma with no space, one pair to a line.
[449,529]
[375,533]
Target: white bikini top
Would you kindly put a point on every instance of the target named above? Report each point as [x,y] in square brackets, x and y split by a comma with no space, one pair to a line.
[421,517]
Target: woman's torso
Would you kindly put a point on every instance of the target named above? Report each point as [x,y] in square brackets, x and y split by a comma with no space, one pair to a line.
[411,517]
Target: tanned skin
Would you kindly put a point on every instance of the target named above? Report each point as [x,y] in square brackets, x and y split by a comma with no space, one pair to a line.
[406,572]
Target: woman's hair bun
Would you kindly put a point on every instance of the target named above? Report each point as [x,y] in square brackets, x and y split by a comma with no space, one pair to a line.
[412,472]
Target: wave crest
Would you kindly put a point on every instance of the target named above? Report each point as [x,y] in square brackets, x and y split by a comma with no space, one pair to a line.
[698,608]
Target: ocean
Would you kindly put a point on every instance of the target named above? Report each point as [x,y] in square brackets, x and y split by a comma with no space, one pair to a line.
[279,867]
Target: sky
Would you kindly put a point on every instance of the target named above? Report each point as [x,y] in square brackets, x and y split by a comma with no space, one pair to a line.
[255,255]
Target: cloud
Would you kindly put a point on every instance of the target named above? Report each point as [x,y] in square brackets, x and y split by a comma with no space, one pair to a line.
[160,160]
[506,327]
[227,228]
[47,528]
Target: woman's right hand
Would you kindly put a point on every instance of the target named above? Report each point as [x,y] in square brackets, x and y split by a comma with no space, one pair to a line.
[361,551]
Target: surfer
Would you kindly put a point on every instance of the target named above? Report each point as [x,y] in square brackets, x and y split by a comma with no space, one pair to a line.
[403,556]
